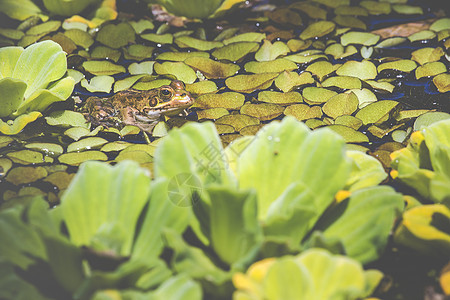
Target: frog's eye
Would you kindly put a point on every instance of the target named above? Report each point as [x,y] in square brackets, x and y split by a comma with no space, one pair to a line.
[166,93]
[153,101]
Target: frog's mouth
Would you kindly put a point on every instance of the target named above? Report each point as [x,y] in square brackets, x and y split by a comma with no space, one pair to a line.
[174,106]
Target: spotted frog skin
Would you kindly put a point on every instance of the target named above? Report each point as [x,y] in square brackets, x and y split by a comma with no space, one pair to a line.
[138,108]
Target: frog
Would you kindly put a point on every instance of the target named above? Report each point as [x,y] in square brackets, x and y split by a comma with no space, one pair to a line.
[141,108]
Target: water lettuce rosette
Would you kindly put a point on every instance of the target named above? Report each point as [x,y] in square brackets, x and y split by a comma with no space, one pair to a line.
[30,80]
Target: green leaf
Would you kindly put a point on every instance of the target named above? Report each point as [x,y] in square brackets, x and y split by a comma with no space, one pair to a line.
[13,89]
[366,171]
[314,159]
[102,204]
[363,222]
[19,123]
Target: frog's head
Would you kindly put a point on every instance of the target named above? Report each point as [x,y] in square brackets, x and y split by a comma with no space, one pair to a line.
[169,99]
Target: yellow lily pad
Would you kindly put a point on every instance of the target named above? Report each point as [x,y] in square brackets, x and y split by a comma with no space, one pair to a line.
[440,24]
[350,21]
[116,36]
[365,96]
[349,121]
[277,65]
[359,38]
[103,67]
[26,157]
[212,114]
[246,37]
[403,65]
[138,52]
[423,35]
[263,111]
[376,8]
[101,83]
[441,81]
[103,52]
[76,158]
[313,11]
[269,51]
[60,179]
[24,175]
[426,55]
[202,87]
[322,69]
[48,148]
[349,134]
[347,10]
[317,95]
[181,56]
[250,83]
[303,59]
[317,29]
[297,45]
[15,126]
[202,45]
[342,82]
[224,129]
[212,69]
[303,112]
[80,37]
[86,144]
[162,39]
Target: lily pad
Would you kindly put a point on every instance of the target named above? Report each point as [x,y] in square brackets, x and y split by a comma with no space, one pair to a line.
[365,96]
[250,83]
[430,69]
[429,118]
[79,37]
[48,148]
[76,158]
[297,45]
[212,69]
[178,69]
[86,144]
[280,98]
[269,51]
[317,29]
[66,118]
[145,67]
[343,82]
[202,45]
[341,104]
[403,65]
[321,69]
[60,179]
[213,114]
[440,24]
[423,35]
[238,121]
[235,51]
[375,7]
[426,55]
[101,83]
[103,67]
[263,111]
[19,123]
[26,157]
[317,95]
[362,70]
[181,56]
[376,112]
[349,134]
[103,52]
[349,121]
[227,100]
[116,36]
[303,112]
[359,38]
[287,81]
[277,65]
[24,175]
[138,52]
[202,87]
[442,82]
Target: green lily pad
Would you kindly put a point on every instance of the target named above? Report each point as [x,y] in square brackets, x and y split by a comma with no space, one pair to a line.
[178,69]
[313,11]
[76,75]
[349,121]
[359,38]
[116,36]
[60,179]
[115,146]
[269,51]
[76,158]
[181,56]
[101,83]
[250,83]
[202,45]
[442,82]
[66,118]
[251,129]
[21,10]
[423,35]
[79,37]
[280,98]
[138,52]
[347,10]
[246,37]
[277,65]
[341,104]
[321,69]
[213,114]
[303,112]
[440,24]
[403,65]
[148,83]
[263,111]
[287,81]
[303,59]
[381,85]
[376,112]
[24,175]
[235,51]
[145,67]
[296,45]
[238,121]
[317,95]
[407,9]
[44,28]
[362,70]
[142,25]
[86,144]
[317,29]
[391,42]
[430,69]
[375,7]
[166,38]
[365,96]
[429,118]
[212,69]
[349,134]
[126,83]
[224,129]
[103,52]
[140,157]
[5,166]
[103,67]
[426,55]
[350,21]
[227,100]
[26,157]
[342,82]
[202,87]
[48,148]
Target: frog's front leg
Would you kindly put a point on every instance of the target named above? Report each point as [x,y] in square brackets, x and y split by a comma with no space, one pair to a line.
[132,116]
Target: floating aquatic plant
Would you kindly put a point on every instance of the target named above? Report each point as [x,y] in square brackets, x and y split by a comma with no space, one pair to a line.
[30,80]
